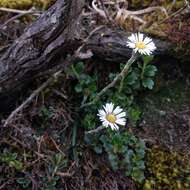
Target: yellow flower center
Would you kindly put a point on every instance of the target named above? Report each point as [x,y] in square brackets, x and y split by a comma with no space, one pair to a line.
[111,118]
[140,45]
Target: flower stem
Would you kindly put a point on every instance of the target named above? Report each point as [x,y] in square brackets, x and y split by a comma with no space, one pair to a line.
[95,130]
[126,69]
[119,77]
[143,69]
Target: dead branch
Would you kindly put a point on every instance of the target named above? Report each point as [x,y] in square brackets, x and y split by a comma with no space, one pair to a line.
[9,120]
[42,46]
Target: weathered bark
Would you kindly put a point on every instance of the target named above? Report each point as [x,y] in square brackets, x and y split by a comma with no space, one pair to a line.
[52,36]
[48,41]
[110,44]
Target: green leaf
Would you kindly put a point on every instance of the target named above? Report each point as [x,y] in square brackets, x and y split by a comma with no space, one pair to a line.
[112,76]
[138,175]
[131,78]
[140,164]
[128,90]
[98,149]
[148,83]
[85,79]
[136,85]
[150,71]
[128,170]
[147,59]
[79,67]
[122,65]
[92,88]
[78,88]
[89,122]
[113,161]
[24,182]
[16,164]
[135,115]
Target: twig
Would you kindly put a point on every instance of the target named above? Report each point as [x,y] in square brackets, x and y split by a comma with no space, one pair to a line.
[3,185]
[147,10]
[88,54]
[120,76]
[127,14]
[99,11]
[95,130]
[64,174]
[105,11]
[70,172]
[34,183]
[19,11]
[143,11]
[60,94]
[56,145]
[30,98]
[122,14]
[174,14]
[31,11]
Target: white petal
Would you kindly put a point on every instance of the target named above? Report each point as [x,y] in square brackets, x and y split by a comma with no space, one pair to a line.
[121,121]
[131,45]
[117,110]
[101,113]
[141,51]
[151,46]
[136,49]
[147,51]
[112,126]
[103,119]
[105,124]
[120,115]
[136,38]
[106,107]
[140,37]
[147,40]
[116,127]
[110,107]
[132,38]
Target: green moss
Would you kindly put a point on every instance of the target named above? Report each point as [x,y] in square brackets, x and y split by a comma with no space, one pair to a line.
[166,3]
[140,3]
[182,51]
[15,3]
[167,170]
[21,4]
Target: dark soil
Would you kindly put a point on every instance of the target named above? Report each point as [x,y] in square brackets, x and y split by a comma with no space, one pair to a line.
[166,110]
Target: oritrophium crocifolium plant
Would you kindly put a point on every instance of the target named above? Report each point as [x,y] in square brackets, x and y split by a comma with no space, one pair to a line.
[141,44]
[111,117]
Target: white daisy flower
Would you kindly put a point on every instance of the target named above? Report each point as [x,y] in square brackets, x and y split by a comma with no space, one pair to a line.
[141,44]
[112,117]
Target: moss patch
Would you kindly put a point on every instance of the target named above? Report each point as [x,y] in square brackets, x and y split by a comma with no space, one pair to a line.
[167,170]
[21,4]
